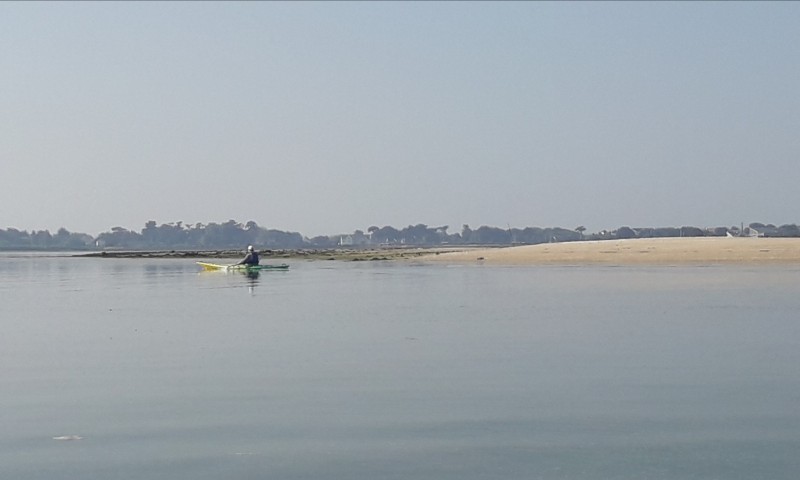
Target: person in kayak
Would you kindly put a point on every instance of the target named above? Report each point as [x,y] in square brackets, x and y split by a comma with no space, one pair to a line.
[251,258]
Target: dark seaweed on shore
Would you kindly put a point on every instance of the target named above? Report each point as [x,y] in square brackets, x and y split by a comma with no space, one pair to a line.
[308,254]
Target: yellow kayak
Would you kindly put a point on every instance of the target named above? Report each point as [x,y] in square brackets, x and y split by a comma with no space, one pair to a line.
[244,268]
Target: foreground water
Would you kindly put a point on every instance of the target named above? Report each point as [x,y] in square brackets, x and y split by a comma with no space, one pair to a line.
[149,369]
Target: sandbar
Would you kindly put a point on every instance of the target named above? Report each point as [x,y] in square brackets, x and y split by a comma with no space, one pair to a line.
[655,251]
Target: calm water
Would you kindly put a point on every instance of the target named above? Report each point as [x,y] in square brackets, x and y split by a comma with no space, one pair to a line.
[395,371]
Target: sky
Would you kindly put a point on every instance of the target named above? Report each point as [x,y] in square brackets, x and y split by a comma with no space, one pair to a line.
[323,118]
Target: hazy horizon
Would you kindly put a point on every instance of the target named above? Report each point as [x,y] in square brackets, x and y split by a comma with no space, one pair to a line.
[325,118]
[452,229]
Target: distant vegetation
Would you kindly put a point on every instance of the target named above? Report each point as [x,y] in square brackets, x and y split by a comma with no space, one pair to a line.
[231,234]
[13,239]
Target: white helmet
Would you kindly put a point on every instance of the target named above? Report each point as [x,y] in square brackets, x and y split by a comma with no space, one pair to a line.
[249,248]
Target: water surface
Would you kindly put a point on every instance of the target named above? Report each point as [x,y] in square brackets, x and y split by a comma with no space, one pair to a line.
[366,370]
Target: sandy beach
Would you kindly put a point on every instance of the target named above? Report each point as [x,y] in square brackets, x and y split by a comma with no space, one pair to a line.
[657,251]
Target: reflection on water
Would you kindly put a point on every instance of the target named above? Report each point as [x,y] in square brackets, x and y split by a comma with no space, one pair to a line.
[253,280]
[235,278]
[391,370]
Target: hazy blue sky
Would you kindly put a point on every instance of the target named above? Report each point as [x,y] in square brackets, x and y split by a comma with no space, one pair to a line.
[329,117]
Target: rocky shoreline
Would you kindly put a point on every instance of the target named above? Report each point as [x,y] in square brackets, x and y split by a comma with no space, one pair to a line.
[353,255]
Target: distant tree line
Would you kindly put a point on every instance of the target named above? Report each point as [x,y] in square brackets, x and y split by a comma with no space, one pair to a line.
[13,239]
[231,234]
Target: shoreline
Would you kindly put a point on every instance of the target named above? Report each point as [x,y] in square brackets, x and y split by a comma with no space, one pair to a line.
[349,254]
[655,251]
[650,251]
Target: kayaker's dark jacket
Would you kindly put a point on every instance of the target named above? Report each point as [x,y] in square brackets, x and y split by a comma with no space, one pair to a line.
[250,259]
